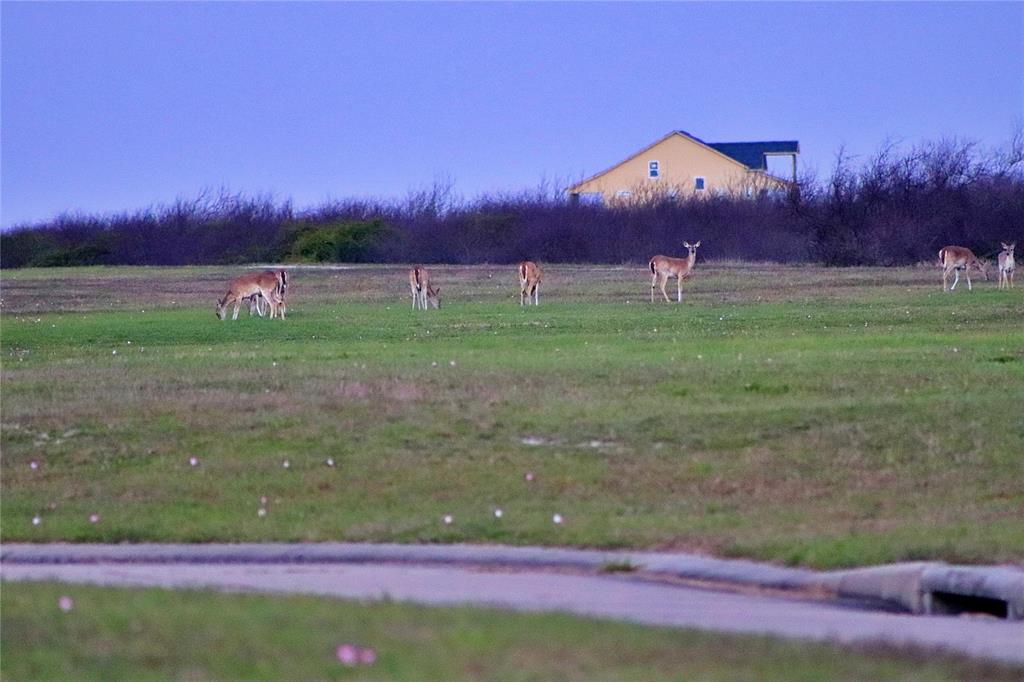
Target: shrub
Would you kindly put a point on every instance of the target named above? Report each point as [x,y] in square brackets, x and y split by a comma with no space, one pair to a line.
[346,242]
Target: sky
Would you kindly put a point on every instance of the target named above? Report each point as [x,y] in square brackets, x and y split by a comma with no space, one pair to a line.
[116,106]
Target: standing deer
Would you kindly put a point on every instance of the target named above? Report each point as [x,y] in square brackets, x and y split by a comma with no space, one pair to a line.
[422,290]
[956,258]
[663,267]
[1006,265]
[265,284]
[529,282]
[258,304]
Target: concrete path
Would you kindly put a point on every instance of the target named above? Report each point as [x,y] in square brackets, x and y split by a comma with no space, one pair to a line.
[623,597]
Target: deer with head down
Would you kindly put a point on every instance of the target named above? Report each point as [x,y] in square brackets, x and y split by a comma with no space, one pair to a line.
[264,284]
[956,258]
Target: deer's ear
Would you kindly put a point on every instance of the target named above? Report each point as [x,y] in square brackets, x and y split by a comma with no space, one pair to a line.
[686,244]
[697,244]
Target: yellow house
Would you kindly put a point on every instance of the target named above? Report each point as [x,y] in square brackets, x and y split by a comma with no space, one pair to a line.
[681,164]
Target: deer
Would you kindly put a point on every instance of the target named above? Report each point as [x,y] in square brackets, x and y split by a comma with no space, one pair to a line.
[422,290]
[956,258]
[1006,265]
[529,282]
[663,267]
[258,304]
[265,284]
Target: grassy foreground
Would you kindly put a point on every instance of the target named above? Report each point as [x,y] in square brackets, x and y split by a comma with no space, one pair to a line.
[797,414]
[155,634]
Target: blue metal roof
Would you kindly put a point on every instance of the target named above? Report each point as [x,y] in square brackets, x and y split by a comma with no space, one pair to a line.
[751,154]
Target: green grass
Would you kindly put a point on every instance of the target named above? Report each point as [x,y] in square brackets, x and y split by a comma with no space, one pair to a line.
[801,415]
[113,634]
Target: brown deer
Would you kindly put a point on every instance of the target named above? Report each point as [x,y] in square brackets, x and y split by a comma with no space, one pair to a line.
[956,258]
[258,304]
[1006,266]
[422,290]
[265,284]
[529,282]
[663,267]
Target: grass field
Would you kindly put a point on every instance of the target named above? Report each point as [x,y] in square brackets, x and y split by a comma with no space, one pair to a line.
[153,634]
[822,417]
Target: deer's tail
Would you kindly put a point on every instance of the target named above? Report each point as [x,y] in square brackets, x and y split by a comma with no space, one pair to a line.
[654,270]
[522,271]
[942,256]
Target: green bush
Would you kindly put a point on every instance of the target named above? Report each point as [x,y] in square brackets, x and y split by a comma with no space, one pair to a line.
[348,242]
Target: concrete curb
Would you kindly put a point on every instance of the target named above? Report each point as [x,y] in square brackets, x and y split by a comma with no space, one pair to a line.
[920,587]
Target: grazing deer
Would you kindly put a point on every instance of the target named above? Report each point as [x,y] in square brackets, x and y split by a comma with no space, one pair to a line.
[1006,265]
[663,267]
[265,284]
[422,290]
[529,282]
[956,258]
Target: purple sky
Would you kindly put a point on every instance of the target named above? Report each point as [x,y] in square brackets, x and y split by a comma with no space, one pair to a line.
[119,105]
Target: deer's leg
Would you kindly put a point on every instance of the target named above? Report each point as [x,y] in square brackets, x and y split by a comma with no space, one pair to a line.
[536,293]
[654,280]
[664,281]
[238,304]
[679,289]
[967,274]
[522,292]
[956,272]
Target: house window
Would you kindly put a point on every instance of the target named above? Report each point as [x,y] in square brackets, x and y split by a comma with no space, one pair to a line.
[698,184]
[653,169]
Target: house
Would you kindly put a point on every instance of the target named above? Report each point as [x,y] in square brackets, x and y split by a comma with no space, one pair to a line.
[681,164]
